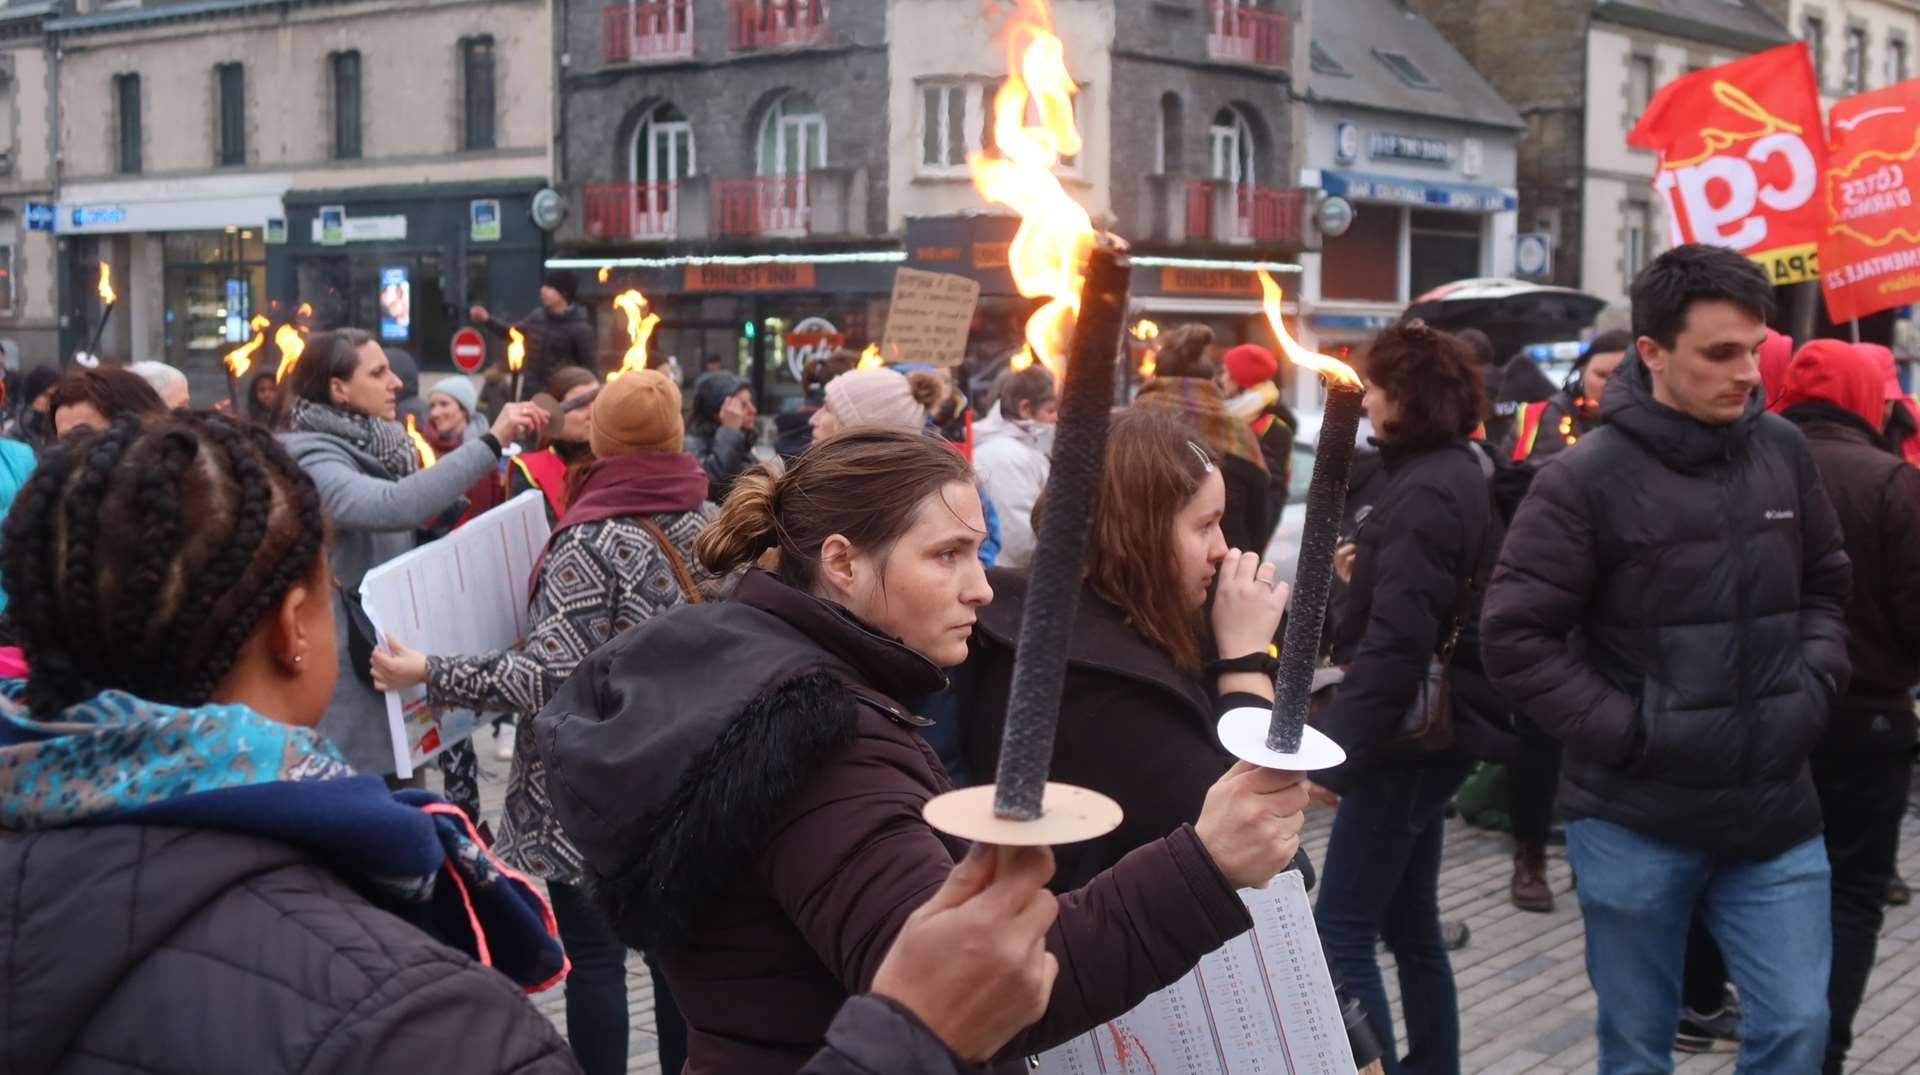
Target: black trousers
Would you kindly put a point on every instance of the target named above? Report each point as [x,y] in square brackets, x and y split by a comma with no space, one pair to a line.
[1532,780]
[1863,795]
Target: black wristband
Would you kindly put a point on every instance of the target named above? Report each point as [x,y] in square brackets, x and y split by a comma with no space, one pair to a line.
[1262,662]
[493,442]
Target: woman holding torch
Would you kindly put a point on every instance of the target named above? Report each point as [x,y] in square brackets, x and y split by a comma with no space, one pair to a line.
[1427,543]
[745,780]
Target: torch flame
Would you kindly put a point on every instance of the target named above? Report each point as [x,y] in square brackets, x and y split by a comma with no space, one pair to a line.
[640,326]
[427,454]
[870,358]
[106,284]
[288,339]
[1049,253]
[516,350]
[1146,331]
[605,271]
[240,359]
[1330,368]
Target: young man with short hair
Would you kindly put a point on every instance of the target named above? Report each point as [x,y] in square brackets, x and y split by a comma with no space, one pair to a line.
[1668,604]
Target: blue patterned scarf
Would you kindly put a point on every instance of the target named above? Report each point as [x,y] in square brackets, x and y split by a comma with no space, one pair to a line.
[118,760]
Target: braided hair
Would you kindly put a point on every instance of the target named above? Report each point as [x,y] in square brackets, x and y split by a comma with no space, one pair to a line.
[141,558]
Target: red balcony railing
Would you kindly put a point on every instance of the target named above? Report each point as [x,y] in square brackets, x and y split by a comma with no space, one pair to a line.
[632,210]
[636,32]
[772,24]
[775,205]
[1247,34]
[1260,214]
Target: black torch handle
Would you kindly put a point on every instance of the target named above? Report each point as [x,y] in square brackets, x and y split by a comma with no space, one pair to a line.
[1313,577]
[100,330]
[1060,556]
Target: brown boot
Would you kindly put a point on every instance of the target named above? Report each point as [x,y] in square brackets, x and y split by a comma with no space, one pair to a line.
[1529,889]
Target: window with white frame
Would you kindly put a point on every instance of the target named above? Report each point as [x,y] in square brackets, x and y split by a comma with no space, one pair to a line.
[1813,29]
[662,147]
[1856,60]
[1230,147]
[1896,61]
[1638,236]
[954,116]
[793,138]
[1639,86]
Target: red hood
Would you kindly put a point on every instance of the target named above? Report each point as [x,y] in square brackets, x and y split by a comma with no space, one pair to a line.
[1775,352]
[1838,373]
[1883,364]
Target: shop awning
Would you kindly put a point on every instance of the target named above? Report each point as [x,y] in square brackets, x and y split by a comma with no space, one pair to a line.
[1467,197]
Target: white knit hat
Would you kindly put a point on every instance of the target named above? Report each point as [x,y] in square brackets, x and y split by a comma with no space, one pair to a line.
[876,397]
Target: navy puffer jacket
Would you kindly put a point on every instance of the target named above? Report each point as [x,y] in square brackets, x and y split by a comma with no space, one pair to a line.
[1668,604]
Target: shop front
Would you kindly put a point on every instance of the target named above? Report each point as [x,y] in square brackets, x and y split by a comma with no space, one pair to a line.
[188,274]
[406,262]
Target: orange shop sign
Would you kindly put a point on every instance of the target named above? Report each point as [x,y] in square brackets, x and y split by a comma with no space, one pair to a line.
[1742,152]
[1870,255]
[755,277]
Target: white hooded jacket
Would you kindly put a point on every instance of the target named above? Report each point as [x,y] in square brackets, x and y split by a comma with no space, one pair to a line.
[1012,458]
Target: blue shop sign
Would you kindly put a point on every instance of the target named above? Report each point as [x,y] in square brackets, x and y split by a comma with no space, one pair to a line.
[85,216]
[39,216]
[1359,186]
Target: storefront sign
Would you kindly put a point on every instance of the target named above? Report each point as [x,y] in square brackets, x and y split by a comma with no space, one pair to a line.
[89,216]
[39,216]
[484,220]
[1533,254]
[548,209]
[1359,186]
[813,337]
[930,317]
[361,229]
[1334,215]
[749,277]
[216,205]
[1741,159]
[990,255]
[276,230]
[1386,145]
[330,225]
[938,253]
[1867,258]
[1209,281]
[1346,141]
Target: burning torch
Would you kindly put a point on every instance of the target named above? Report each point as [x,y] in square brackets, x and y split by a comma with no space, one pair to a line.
[870,358]
[516,357]
[640,325]
[1056,254]
[1281,739]
[240,359]
[108,299]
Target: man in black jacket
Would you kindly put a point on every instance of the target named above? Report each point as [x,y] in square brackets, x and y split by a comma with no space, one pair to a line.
[1834,394]
[1668,604]
[557,334]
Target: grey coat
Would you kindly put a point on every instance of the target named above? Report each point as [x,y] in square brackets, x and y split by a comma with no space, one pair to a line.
[374,517]
[167,951]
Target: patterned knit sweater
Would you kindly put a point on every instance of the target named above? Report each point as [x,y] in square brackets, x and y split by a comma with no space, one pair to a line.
[597,580]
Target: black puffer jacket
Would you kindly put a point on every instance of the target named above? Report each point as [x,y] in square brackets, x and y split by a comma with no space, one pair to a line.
[1430,530]
[170,951]
[553,340]
[1668,605]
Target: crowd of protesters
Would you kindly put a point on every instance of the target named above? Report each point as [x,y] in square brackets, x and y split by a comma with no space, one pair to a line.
[1678,600]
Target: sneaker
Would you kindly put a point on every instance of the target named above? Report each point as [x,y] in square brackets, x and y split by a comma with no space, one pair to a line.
[1898,894]
[1455,935]
[503,743]
[1716,1033]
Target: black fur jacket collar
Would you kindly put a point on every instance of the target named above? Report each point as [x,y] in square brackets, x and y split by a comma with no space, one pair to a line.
[672,749]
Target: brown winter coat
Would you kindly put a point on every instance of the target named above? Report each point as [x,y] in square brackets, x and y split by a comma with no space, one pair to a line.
[753,817]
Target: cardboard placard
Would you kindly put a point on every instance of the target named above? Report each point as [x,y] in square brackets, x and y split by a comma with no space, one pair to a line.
[930,317]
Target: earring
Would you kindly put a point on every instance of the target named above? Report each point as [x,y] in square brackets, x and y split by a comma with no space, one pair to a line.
[299,658]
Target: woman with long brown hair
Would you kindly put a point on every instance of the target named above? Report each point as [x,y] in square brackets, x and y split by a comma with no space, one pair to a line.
[745,779]
[1145,679]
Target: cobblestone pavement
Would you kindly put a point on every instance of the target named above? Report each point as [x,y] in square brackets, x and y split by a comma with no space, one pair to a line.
[1524,1000]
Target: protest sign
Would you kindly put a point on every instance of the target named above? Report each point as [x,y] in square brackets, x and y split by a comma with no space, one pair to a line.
[1264,1002]
[930,317]
[465,593]
[1742,150]
[1870,255]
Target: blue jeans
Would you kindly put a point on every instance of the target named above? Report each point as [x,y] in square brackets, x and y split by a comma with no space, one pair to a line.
[1770,919]
[597,987]
[1381,879]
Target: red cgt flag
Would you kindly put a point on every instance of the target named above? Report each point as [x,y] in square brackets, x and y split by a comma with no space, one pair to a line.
[1741,155]
[1870,255]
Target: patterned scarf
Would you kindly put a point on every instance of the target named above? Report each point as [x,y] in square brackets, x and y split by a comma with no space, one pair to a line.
[1198,400]
[116,759]
[384,440]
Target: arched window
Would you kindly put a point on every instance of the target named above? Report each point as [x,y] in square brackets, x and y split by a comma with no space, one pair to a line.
[793,138]
[1231,147]
[1167,158]
[662,147]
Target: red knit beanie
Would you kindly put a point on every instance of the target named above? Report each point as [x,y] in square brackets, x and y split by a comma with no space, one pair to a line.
[1249,364]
